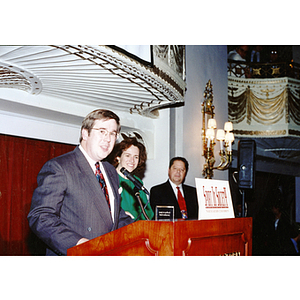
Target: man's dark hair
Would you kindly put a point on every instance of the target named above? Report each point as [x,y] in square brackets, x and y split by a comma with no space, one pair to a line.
[181,159]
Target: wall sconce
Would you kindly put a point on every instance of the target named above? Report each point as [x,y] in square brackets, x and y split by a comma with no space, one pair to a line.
[225,137]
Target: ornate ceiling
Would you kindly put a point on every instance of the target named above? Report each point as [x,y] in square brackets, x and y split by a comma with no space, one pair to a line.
[97,75]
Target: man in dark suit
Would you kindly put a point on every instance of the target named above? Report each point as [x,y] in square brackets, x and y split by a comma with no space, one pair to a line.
[69,207]
[170,192]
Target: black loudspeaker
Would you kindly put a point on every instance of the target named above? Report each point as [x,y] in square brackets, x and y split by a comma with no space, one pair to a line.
[246,163]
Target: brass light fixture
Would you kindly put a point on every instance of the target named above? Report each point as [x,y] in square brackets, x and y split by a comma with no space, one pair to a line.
[225,137]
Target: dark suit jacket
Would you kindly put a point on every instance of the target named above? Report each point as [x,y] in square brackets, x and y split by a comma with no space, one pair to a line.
[163,194]
[68,203]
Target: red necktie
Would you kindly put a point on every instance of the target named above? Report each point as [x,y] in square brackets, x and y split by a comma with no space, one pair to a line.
[182,204]
[101,180]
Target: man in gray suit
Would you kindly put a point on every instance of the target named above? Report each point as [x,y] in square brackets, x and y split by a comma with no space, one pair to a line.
[69,206]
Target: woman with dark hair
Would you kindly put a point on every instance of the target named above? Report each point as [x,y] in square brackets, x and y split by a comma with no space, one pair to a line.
[131,155]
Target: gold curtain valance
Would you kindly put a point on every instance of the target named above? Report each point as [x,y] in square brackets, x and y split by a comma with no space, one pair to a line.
[265,111]
[294,107]
[237,107]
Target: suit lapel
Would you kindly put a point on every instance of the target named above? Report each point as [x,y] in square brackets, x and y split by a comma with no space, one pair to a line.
[190,200]
[186,196]
[93,187]
[172,194]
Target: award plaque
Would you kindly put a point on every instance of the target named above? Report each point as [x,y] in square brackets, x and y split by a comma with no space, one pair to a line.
[164,213]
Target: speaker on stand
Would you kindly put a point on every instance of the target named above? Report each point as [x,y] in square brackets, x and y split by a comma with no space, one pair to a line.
[246,167]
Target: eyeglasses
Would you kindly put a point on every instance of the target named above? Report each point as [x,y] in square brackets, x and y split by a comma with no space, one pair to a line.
[104,133]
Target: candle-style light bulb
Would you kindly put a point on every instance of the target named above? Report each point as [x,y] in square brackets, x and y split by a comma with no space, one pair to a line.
[221,138]
[229,138]
[212,123]
[210,135]
[228,126]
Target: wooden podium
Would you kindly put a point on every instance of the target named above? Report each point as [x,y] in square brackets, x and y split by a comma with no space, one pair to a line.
[153,238]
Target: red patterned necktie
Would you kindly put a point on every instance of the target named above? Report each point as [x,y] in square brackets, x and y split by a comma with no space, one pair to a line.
[101,180]
[182,204]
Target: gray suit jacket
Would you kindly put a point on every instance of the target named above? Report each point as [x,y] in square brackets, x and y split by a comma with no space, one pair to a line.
[68,203]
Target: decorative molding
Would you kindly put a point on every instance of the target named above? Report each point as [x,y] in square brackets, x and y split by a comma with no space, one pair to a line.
[18,78]
[156,83]
[169,63]
[96,76]
[260,132]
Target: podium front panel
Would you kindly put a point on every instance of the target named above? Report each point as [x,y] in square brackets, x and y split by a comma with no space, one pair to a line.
[164,238]
[214,237]
[142,238]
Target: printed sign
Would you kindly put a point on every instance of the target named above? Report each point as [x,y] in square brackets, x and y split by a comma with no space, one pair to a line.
[214,199]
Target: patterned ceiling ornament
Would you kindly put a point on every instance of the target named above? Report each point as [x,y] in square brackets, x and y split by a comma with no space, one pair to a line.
[163,94]
[276,71]
[15,77]
[256,72]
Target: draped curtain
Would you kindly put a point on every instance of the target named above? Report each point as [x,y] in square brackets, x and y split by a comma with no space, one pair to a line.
[265,111]
[20,161]
[294,106]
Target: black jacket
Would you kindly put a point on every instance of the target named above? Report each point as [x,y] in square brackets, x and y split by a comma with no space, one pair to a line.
[163,194]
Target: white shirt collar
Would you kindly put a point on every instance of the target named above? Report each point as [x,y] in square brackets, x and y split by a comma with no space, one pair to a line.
[174,187]
[173,184]
[90,161]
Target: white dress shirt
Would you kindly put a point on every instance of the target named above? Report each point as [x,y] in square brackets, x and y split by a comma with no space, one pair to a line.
[174,187]
[109,189]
